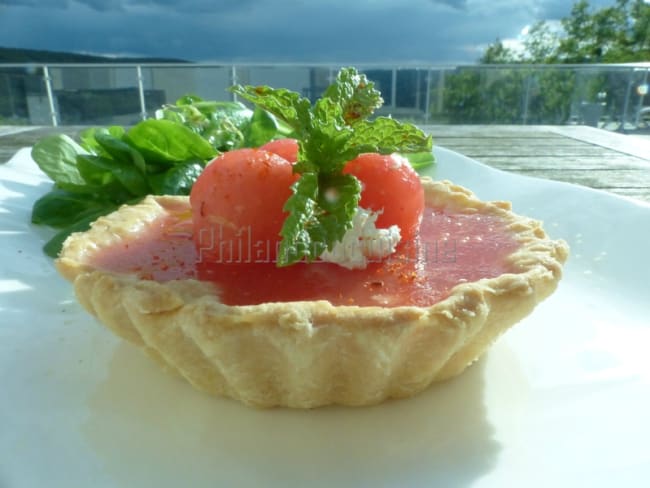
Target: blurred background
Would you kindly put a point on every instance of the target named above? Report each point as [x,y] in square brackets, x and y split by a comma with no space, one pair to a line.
[435,61]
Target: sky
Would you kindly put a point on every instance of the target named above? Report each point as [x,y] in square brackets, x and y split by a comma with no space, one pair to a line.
[338,31]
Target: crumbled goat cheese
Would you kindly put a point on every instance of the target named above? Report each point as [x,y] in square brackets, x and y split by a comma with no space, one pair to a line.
[364,242]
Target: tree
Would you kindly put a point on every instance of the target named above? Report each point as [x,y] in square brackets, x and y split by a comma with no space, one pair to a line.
[498,53]
[540,44]
[616,34]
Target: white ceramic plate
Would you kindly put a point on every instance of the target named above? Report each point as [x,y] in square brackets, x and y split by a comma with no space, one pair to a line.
[561,400]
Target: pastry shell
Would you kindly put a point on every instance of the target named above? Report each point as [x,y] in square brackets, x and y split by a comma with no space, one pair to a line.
[311,353]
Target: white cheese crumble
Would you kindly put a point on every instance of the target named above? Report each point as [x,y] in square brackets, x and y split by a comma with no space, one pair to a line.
[364,242]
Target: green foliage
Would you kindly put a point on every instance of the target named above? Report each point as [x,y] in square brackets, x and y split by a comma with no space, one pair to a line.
[167,142]
[112,166]
[498,53]
[225,125]
[616,34]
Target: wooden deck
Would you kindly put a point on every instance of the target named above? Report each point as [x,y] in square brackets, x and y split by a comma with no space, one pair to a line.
[577,154]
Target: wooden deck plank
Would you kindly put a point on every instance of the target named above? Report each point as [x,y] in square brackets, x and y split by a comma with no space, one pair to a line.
[481,142]
[578,163]
[634,146]
[640,194]
[578,155]
[504,149]
[464,131]
[605,178]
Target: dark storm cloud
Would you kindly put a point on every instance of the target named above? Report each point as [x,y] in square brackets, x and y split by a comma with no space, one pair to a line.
[34,3]
[457,4]
[124,5]
[431,31]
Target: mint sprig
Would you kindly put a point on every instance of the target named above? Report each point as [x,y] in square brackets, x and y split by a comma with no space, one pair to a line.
[320,209]
[330,133]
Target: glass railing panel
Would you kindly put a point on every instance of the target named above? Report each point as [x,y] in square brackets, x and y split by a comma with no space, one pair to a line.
[510,94]
[636,109]
[436,113]
[465,96]
[546,95]
[599,96]
[166,84]
[23,97]
[96,95]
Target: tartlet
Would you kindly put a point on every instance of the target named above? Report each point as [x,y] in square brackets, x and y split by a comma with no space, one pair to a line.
[312,353]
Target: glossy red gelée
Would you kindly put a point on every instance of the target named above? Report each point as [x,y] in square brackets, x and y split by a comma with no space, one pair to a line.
[449,249]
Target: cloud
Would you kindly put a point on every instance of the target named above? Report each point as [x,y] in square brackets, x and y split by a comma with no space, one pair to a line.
[102,5]
[337,31]
[457,4]
[125,5]
[34,3]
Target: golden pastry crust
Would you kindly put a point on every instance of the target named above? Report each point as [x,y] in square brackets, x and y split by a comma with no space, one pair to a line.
[309,354]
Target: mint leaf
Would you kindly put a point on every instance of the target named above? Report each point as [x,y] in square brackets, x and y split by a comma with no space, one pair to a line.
[320,212]
[355,95]
[338,199]
[386,136]
[302,206]
[287,105]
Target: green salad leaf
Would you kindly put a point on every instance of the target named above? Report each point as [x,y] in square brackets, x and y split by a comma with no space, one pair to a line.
[53,246]
[57,158]
[163,141]
[59,207]
[113,166]
[225,125]
[178,179]
[330,133]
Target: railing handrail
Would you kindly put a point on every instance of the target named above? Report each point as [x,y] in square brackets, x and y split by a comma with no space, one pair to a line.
[361,65]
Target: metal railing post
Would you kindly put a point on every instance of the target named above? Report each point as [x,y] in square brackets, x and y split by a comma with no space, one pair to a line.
[427,98]
[50,96]
[143,105]
[639,107]
[526,99]
[628,92]
[233,81]
[440,99]
[393,88]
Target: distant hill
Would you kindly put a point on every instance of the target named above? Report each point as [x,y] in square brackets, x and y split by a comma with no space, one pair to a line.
[14,55]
